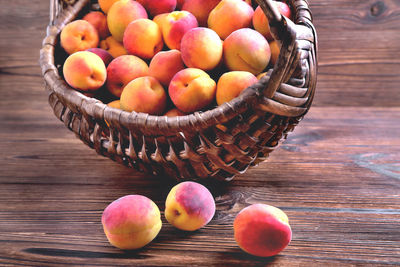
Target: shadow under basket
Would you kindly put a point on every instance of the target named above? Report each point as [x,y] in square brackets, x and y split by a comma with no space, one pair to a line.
[219,143]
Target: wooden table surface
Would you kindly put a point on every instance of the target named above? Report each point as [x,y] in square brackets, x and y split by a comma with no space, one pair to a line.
[337,176]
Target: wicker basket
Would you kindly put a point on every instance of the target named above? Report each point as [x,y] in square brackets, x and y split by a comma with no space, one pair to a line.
[218,143]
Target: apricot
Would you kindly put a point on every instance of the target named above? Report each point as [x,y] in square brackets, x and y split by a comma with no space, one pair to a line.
[174,112]
[229,16]
[121,14]
[106,4]
[99,21]
[112,46]
[161,20]
[246,50]
[189,206]
[165,64]
[192,89]
[200,9]
[143,38]
[122,70]
[201,48]
[275,51]
[156,7]
[144,94]
[115,104]
[260,21]
[176,24]
[231,84]
[103,54]
[84,71]
[78,35]
[131,222]
[262,230]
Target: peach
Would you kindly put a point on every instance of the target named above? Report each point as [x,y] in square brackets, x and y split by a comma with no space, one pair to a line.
[99,21]
[246,50]
[262,230]
[115,104]
[161,20]
[106,4]
[174,112]
[156,7]
[200,9]
[260,21]
[231,84]
[78,35]
[192,89]
[143,38]
[122,70]
[189,206]
[165,64]
[229,16]
[177,23]
[112,46]
[121,14]
[275,51]
[131,222]
[84,71]
[201,48]
[144,94]
[103,54]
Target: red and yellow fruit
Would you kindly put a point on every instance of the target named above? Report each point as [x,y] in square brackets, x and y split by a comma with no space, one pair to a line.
[175,25]
[156,7]
[99,22]
[165,65]
[78,35]
[246,50]
[262,230]
[122,70]
[201,48]
[189,206]
[275,50]
[229,16]
[113,47]
[143,38]
[84,71]
[200,9]
[231,84]
[192,89]
[131,222]
[121,14]
[144,94]
[115,104]
[260,21]
[174,112]
[105,5]
[103,54]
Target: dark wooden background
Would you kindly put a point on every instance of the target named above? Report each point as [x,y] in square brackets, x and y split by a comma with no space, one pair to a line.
[337,176]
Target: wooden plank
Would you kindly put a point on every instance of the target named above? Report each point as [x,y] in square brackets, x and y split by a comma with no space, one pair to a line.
[359,51]
[337,176]
[322,177]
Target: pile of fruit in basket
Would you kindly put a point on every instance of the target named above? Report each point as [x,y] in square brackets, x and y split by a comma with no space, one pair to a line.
[169,57]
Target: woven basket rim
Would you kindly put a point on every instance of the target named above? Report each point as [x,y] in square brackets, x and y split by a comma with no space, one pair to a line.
[163,125]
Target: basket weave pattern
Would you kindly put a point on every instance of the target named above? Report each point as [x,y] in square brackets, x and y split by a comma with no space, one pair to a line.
[219,143]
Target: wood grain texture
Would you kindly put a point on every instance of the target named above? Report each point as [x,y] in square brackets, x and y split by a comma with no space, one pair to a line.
[337,176]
